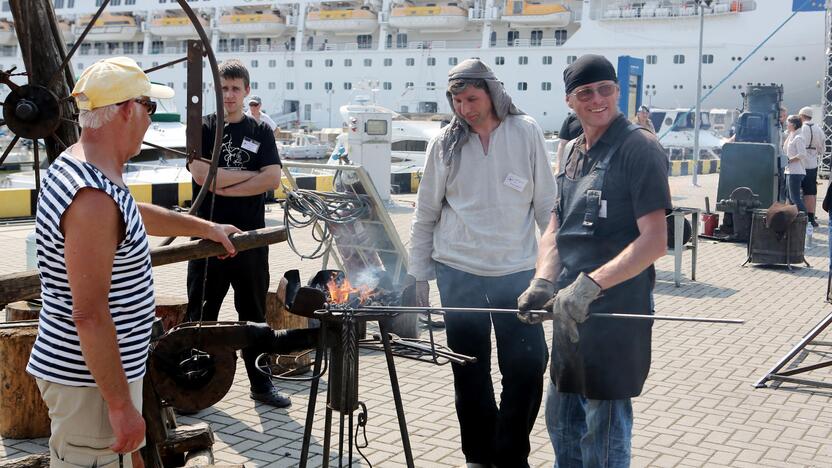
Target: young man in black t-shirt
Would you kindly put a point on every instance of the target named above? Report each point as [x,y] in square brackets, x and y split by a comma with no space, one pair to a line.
[249,167]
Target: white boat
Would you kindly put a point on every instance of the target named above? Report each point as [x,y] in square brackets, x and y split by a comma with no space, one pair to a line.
[674,128]
[303,146]
[342,21]
[246,22]
[429,17]
[175,26]
[536,13]
[108,27]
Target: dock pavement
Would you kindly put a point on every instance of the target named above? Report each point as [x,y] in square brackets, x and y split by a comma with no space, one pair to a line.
[699,407]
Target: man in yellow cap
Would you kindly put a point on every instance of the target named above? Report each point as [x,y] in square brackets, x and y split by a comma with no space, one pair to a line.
[96,278]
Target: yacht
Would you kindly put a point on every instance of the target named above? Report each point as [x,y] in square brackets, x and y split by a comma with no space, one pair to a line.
[305,55]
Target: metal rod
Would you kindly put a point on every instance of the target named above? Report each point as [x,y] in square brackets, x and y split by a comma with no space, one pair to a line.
[165,148]
[165,65]
[313,396]
[397,396]
[547,315]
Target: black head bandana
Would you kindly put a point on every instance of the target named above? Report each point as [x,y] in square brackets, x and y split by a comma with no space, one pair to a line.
[588,69]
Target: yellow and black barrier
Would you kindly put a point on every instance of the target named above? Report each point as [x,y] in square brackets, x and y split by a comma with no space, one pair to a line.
[684,168]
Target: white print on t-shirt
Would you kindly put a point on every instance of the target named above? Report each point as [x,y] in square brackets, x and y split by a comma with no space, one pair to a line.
[602,212]
[515,182]
[235,158]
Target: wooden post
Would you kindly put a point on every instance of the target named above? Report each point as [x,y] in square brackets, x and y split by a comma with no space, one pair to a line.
[22,310]
[43,52]
[281,319]
[23,414]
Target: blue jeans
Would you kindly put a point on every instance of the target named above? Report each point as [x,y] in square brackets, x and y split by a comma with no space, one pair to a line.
[493,435]
[793,182]
[589,433]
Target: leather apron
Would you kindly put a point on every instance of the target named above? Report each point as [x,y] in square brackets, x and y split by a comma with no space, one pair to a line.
[612,358]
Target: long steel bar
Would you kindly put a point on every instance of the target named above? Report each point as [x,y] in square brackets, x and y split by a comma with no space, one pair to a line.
[165,148]
[547,315]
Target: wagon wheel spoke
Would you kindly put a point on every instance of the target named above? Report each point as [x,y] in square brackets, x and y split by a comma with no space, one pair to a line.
[36,164]
[77,44]
[9,149]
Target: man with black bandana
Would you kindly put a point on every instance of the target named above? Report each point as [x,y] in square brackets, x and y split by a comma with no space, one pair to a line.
[486,184]
[596,257]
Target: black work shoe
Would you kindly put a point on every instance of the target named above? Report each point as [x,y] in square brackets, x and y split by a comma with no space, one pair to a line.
[815,223]
[271,397]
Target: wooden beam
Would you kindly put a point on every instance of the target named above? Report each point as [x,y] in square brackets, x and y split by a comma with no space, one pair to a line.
[26,285]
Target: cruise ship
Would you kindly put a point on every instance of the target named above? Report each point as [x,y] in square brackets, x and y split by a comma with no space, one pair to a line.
[308,58]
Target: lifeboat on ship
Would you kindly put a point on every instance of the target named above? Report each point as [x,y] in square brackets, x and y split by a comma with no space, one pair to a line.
[108,27]
[429,17]
[536,13]
[7,35]
[342,20]
[260,23]
[175,27]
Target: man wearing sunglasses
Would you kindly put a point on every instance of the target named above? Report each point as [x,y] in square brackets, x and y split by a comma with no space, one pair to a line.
[255,111]
[96,279]
[596,257]
[487,184]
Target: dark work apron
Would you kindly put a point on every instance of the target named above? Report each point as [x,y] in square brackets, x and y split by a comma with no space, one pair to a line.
[612,358]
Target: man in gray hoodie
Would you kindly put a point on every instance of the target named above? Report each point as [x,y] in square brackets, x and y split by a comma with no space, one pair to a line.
[487,183]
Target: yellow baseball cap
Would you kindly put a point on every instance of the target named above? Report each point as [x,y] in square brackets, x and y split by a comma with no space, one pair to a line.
[115,80]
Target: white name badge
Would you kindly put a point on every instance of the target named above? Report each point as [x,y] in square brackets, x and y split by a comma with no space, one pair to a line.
[250,145]
[515,182]
[602,212]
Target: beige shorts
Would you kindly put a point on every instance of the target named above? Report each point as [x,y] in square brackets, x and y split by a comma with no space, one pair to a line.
[81,432]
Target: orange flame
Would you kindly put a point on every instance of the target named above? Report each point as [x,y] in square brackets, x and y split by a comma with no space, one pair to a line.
[340,294]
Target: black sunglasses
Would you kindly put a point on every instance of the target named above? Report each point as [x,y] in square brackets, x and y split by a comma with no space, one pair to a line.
[147,103]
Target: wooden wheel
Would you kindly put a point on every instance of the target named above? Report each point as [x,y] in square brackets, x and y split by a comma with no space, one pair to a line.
[43,109]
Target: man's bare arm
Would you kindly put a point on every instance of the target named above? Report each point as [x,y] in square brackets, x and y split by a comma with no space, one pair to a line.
[225,178]
[164,222]
[89,252]
[548,259]
[267,179]
[649,246]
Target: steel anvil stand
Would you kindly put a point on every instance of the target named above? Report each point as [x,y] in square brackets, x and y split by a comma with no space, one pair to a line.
[341,326]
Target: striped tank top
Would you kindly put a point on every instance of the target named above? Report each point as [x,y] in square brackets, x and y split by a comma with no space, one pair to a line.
[56,356]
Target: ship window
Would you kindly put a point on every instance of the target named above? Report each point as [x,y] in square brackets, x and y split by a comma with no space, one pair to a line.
[368,62]
[272,85]
[70,3]
[388,44]
[308,63]
[347,62]
[570,59]
[388,62]
[492,41]
[537,37]
[129,2]
[431,85]
[409,145]
[328,62]
[678,59]
[408,84]
[365,41]
[560,36]
[523,60]
[547,60]
[431,61]
[409,62]
[290,63]
[130,48]
[707,58]
[290,85]
[511,37]
[307,85]
[522,86]
[59,4]
[112,2]
[328,85]
[80,66]
[388,85]
[652,59]
[272,63]
[546,86]
[499,60]
[348,85]
[452,61]
[254,85]
[401,40]
[255,64]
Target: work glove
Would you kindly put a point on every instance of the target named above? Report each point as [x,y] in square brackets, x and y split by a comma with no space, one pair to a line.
[571,306]
[539,292]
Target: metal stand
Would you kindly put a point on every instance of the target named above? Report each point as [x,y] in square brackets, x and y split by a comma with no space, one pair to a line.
[786,376]
[348,382]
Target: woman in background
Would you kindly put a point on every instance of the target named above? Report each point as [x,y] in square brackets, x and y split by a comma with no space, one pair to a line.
[795,150]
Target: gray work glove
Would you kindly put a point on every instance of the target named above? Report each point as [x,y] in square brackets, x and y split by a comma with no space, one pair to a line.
[539,292]
[571,306]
